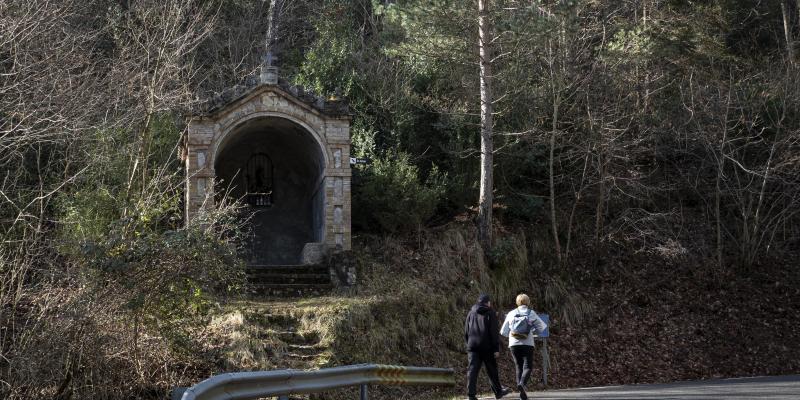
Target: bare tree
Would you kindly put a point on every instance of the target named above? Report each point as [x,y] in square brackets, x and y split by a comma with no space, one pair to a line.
[487,148]
[75,77]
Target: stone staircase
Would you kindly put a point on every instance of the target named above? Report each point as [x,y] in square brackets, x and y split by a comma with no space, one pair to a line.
[288,280]
[274,335]
[285,344]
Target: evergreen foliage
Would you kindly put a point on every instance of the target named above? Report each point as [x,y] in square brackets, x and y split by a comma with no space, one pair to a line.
[391,198]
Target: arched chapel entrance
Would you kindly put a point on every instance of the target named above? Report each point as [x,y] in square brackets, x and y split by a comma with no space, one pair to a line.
[276,168]
[285,155]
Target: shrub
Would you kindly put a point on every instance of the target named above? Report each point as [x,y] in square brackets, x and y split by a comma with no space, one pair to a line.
[165,279]
[390,196]
[122,230]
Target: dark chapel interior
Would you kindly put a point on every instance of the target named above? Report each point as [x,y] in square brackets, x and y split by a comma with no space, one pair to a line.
[275,167]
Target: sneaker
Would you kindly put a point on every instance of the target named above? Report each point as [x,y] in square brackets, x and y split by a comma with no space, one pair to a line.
[522,394]
[503,392]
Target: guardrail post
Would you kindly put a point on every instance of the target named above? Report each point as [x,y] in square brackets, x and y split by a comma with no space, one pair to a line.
[364,392]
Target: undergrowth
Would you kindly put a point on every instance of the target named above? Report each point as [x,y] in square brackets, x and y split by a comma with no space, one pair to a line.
[123,316]
[408,307]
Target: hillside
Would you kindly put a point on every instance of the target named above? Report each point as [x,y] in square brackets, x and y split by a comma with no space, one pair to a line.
[642,319]
[633,166]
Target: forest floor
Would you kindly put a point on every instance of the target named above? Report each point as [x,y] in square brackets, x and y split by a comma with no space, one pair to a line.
[664,323]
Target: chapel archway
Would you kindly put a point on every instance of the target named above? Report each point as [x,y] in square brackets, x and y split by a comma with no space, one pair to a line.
[276,168]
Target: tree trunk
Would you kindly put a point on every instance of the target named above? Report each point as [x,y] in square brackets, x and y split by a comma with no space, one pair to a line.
[485,200]
[752,249]
[599,212]
[717,197]
[718,184]
[554,221]
[578,196]
[787,30]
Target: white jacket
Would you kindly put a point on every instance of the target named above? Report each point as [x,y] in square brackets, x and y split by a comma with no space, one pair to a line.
[538,326]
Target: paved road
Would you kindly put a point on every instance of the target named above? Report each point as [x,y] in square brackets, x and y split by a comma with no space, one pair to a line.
[772,388]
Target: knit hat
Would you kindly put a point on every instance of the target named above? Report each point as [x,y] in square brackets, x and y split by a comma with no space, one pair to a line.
[483,298]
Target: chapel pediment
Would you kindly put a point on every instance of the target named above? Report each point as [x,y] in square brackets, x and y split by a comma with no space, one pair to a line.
[232,98]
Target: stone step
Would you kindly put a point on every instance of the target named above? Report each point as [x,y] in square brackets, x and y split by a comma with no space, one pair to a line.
[288,280]
[287,269]
[307,358]
[291,337]
[271,320]
[290,289]
[306,349]
[270,278]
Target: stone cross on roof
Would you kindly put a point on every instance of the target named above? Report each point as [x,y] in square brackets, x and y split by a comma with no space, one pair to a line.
[273,26]
[269,59]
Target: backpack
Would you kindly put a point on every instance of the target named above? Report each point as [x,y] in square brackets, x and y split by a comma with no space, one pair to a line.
[521,326]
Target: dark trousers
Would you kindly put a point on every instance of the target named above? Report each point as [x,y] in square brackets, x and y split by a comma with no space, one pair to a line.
[476,359]
[523,360]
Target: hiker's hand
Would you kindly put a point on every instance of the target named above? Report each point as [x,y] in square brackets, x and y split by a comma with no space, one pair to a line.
[497,354]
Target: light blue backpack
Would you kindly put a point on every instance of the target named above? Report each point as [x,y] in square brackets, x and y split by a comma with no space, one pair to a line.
[521,326]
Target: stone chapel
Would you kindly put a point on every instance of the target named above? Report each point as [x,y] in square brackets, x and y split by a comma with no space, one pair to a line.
[284,153]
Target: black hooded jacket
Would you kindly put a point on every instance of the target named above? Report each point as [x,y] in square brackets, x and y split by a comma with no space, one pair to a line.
[481,331]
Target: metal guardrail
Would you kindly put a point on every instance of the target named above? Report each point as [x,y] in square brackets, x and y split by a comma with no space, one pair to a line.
[254,385]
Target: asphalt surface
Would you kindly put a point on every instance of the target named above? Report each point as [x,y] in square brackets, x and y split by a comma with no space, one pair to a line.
[772,388]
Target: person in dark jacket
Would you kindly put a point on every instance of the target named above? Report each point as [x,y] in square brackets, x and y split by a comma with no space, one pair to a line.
[481,334]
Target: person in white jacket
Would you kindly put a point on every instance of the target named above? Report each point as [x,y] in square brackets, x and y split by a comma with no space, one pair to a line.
[520,325]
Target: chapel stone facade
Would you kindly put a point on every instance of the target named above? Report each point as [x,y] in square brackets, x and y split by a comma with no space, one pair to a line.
[283,152]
